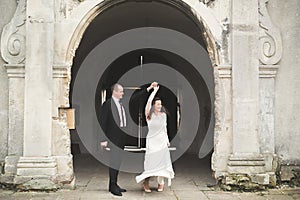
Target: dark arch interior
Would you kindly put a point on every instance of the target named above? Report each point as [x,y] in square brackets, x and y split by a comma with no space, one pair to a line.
[135,14]
[130,60]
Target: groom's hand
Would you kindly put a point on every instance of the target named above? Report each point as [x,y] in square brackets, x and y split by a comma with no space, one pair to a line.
[153,84]
[103,144]
[168,144]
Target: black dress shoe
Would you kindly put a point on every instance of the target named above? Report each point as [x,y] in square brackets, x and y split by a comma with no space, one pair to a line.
[115,191]
[121,189]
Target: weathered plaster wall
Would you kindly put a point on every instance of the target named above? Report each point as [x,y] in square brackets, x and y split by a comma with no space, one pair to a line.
[7,9]
[286,15]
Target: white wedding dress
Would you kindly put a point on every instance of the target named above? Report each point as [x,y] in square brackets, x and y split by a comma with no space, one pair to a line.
[157,157]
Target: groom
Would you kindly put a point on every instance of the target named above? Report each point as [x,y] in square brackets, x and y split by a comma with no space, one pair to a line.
[114,124]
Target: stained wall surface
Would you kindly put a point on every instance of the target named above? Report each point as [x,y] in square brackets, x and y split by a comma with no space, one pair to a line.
[287,83]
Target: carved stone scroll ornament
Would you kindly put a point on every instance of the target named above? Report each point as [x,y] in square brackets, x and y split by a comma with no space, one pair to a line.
[66,7]
[13,36]
[269,37]
[207,2]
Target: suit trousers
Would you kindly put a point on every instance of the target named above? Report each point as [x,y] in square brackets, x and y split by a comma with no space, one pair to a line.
[115,163]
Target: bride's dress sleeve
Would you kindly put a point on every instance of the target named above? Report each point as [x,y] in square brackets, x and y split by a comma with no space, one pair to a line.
[149,101]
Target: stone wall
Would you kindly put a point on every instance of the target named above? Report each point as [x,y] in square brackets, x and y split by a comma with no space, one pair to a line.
[286,16]
[7,10]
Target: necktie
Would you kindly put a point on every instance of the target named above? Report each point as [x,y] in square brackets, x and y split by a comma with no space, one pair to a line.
[122,115]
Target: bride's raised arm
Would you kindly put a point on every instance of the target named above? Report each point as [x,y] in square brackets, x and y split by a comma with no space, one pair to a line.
[150,99]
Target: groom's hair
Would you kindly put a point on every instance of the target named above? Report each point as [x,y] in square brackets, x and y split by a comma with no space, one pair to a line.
[114,87]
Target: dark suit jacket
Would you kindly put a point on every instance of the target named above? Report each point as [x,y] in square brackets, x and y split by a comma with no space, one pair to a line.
[110,120]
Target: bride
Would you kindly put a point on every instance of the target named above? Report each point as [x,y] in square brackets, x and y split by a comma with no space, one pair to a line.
[157,157]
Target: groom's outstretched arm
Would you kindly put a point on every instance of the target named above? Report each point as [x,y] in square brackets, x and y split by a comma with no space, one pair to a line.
[143,92]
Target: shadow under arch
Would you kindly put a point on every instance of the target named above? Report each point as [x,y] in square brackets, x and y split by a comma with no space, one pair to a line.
[129,61]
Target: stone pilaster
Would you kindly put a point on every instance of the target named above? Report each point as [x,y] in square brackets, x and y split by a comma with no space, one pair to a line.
[16,74]
[223,115]
[60,133]
[270,53]
[13,52]
[36,168]
[267,75]
[246,157]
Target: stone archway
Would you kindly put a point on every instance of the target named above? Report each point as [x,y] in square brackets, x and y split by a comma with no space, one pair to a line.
[171,4]
[83,15]
[210,40]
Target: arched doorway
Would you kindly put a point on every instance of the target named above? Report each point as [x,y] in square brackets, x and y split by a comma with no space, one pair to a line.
[135,16]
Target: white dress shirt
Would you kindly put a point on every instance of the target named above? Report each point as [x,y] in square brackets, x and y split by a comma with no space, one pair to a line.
[119,107]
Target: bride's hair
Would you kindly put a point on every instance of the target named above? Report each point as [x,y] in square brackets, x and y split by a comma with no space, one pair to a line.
[163,109]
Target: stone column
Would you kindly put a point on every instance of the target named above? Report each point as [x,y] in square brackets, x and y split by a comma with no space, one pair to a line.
[245,157]
[37,168]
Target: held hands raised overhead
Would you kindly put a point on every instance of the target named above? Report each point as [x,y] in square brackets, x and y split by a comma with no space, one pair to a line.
[153,84]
